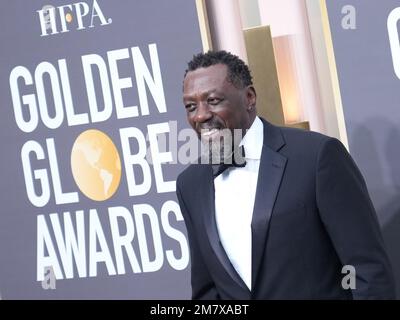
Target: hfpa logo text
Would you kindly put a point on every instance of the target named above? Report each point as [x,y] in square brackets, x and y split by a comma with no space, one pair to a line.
[79,16]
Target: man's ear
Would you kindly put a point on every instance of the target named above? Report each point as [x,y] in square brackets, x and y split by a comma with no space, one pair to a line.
[251,97]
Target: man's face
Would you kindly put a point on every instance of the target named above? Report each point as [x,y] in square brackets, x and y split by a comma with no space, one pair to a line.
[213,103]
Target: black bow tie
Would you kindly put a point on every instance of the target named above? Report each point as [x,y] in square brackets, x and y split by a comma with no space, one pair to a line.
[237,160]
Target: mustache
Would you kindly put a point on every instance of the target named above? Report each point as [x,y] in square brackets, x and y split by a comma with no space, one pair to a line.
[209,126]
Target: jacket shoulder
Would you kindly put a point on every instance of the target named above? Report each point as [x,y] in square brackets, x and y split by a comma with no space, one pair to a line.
[292,138]
[305,144]
[294,135]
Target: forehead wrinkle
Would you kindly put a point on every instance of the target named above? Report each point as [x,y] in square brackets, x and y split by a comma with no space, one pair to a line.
[208,85]
[195,94]
[205,81]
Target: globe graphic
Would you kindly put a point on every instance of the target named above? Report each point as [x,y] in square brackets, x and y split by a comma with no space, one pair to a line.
[96,165]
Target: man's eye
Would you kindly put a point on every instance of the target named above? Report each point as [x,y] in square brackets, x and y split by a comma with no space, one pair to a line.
[190,107]
[214,101]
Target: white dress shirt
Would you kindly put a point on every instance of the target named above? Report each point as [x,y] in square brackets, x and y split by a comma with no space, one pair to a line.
[235,191]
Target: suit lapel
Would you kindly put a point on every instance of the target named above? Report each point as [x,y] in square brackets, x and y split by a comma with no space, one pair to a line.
[272,167]
[212,231]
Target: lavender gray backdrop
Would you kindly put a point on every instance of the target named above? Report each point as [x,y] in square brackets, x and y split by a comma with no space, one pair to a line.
[371,96]
[173,26]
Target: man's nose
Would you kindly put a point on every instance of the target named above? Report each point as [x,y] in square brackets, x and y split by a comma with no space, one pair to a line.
[203,112]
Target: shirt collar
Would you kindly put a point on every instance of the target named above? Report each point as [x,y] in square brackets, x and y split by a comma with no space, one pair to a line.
[253,140]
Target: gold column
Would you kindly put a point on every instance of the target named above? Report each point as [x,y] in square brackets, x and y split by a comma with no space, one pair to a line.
[204,25]
[261,59]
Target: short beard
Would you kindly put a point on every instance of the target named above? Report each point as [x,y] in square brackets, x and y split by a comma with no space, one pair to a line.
[221,150]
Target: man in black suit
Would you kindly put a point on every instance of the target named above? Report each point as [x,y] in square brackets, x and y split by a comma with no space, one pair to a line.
[283,223]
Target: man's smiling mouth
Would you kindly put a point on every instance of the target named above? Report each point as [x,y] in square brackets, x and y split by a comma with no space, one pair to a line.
[209,133]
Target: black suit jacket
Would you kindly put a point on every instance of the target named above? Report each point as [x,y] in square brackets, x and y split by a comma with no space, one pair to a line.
[312,215]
